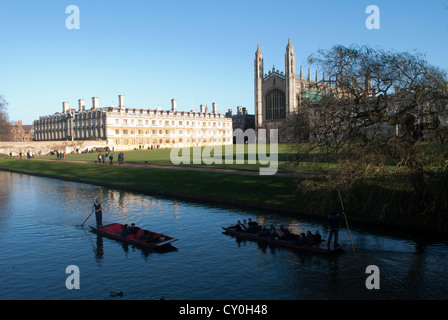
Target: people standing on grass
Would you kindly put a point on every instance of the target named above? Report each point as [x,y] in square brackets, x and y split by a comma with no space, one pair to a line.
[120,158]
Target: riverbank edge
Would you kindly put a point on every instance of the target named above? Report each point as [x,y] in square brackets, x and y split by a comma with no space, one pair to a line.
[166,194]
[229,202]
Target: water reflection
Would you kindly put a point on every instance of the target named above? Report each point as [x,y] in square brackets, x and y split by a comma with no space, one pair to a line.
[47,215]
[99,248]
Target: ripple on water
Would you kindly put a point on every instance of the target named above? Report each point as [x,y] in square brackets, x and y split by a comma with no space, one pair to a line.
[40,235]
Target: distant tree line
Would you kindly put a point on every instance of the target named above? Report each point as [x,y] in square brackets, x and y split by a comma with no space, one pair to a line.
[5,125]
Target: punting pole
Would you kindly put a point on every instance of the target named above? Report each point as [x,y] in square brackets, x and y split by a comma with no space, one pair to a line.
[86,219]
[346,222]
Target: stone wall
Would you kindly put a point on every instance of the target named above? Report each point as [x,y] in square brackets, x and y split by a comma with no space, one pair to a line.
[45,147]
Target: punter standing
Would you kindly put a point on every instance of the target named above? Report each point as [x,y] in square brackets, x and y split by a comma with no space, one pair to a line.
[98,212]
[334,219]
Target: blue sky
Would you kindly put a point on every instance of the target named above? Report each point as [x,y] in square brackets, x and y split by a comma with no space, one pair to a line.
[197,51]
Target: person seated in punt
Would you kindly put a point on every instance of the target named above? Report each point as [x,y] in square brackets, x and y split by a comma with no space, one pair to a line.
[300,239]
[310,238]
[146,236]
[128,230]
[245,224]
[240,227]
[253,226]
[133,229]
[125,231]
[272,233]
[264,232]
[317,237]
[280,234]
[287,234]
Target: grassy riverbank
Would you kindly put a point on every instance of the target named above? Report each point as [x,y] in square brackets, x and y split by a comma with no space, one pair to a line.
[369,201]
[253,190]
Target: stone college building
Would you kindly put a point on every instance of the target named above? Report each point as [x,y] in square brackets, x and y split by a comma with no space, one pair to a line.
[129,128]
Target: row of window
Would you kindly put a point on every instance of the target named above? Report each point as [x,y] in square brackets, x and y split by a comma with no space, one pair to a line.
[45,135]
[169,141]
[65,122]
[173,132]
[170,123]
[64,125]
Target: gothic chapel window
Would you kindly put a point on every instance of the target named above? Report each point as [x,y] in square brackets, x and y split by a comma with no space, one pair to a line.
[275,105]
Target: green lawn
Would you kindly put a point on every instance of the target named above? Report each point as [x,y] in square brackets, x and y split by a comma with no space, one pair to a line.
[251,189]
[162,157]
[285,156]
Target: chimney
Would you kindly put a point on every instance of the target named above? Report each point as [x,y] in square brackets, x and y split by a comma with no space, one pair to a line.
[64,107]
[95,102]
[215,108]
[121,101]
[81,105]
[173,105]
[202,108]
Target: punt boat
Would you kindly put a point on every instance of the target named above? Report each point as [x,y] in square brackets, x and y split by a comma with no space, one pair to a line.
[151,239]
[313,248]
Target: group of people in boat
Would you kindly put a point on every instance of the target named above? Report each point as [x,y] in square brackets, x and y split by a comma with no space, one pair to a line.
[280,233]
[129,230]
[133,230]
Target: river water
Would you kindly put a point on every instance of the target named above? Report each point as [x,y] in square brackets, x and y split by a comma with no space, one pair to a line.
[41,235]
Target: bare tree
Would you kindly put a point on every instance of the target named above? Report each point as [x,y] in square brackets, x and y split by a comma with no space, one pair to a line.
[377,113]
[5,125]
